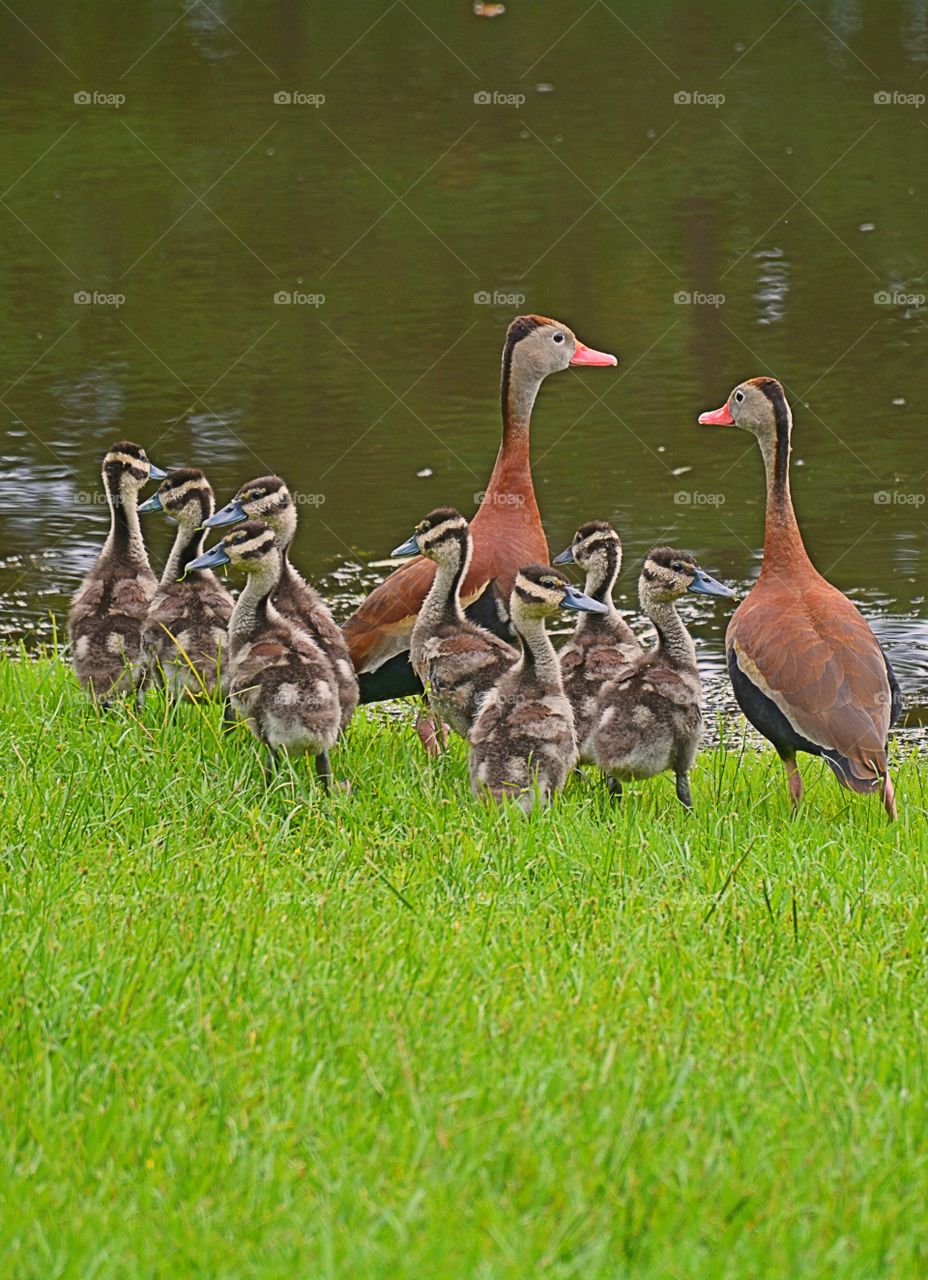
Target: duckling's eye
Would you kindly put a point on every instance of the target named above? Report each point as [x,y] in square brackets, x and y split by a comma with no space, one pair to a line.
[739,396]
[423,527]
[559,337]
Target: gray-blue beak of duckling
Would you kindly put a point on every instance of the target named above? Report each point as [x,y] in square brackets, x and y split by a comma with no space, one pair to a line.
[408,548]
[574,599]
[150,504]
[231,513]
[211,559]
[155,473]
[705,585]
[566,557]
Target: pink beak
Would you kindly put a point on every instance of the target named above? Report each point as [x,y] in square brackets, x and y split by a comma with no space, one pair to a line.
[586,355]
[718,417]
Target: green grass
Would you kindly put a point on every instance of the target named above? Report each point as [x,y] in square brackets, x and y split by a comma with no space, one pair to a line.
[245,1033]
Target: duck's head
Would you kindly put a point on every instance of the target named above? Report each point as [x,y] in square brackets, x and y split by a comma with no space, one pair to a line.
[595,546]
[668,574]
[442,531]
[537,346]
[252,548]
[267,499]
[126,468]
[758,405]
[186,496]
[539,591]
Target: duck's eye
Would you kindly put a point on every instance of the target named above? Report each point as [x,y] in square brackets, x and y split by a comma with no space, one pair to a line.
[739,396]
[559,337]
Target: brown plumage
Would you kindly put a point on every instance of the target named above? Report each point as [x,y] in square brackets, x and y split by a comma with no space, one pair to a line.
[186,631]
[457,661]
[806,668]
[602,644]
[506,529]
[523,744]
[269,499]
[109,608]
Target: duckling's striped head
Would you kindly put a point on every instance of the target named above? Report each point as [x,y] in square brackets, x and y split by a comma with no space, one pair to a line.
[251,545]
[442,532]
[127,464]
[267,499]
[668,574]
[595,544]
[186,496]
[539,591]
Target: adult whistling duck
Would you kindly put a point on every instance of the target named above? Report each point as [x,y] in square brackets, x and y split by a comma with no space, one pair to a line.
[806,669]
[506,529]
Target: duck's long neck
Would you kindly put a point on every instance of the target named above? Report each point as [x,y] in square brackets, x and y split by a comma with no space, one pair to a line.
[125,540]
[188,544]
[443,602]
[674,642]
[538,655]
[510,484]
[253,608]
[783,546]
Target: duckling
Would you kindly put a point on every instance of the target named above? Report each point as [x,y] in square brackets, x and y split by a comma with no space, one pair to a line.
[109,608]
[603,644]
[523,742]
[457,661]
[269,499]
[279,679]
[187,628]
[649,718]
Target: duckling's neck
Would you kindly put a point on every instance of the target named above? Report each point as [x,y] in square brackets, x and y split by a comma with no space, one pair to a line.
[674,642]
[125,541]
[538,656]
[443,602]
[284,525]
[188,544]
[253,609]
[783,545]
[600,582]
[510,490]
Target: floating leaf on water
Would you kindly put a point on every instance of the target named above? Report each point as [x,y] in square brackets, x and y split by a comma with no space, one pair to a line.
[426,471]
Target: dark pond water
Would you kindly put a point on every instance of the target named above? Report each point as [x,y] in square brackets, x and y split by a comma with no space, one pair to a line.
[175,161]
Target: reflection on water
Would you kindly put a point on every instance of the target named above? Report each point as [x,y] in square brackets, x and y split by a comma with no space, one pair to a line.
[601,197]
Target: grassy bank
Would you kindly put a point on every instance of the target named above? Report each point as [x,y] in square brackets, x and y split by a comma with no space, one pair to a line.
[396,1035]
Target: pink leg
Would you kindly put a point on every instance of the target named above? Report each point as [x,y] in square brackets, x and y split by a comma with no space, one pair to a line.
[431,736]
[794,781]
[889,797]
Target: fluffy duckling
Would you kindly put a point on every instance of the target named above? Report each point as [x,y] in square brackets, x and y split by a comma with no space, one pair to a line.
[186,631]
[457,661]
[279,679]
[523,742]
[649,718]
[603,644]
[109,608]
[269,499]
